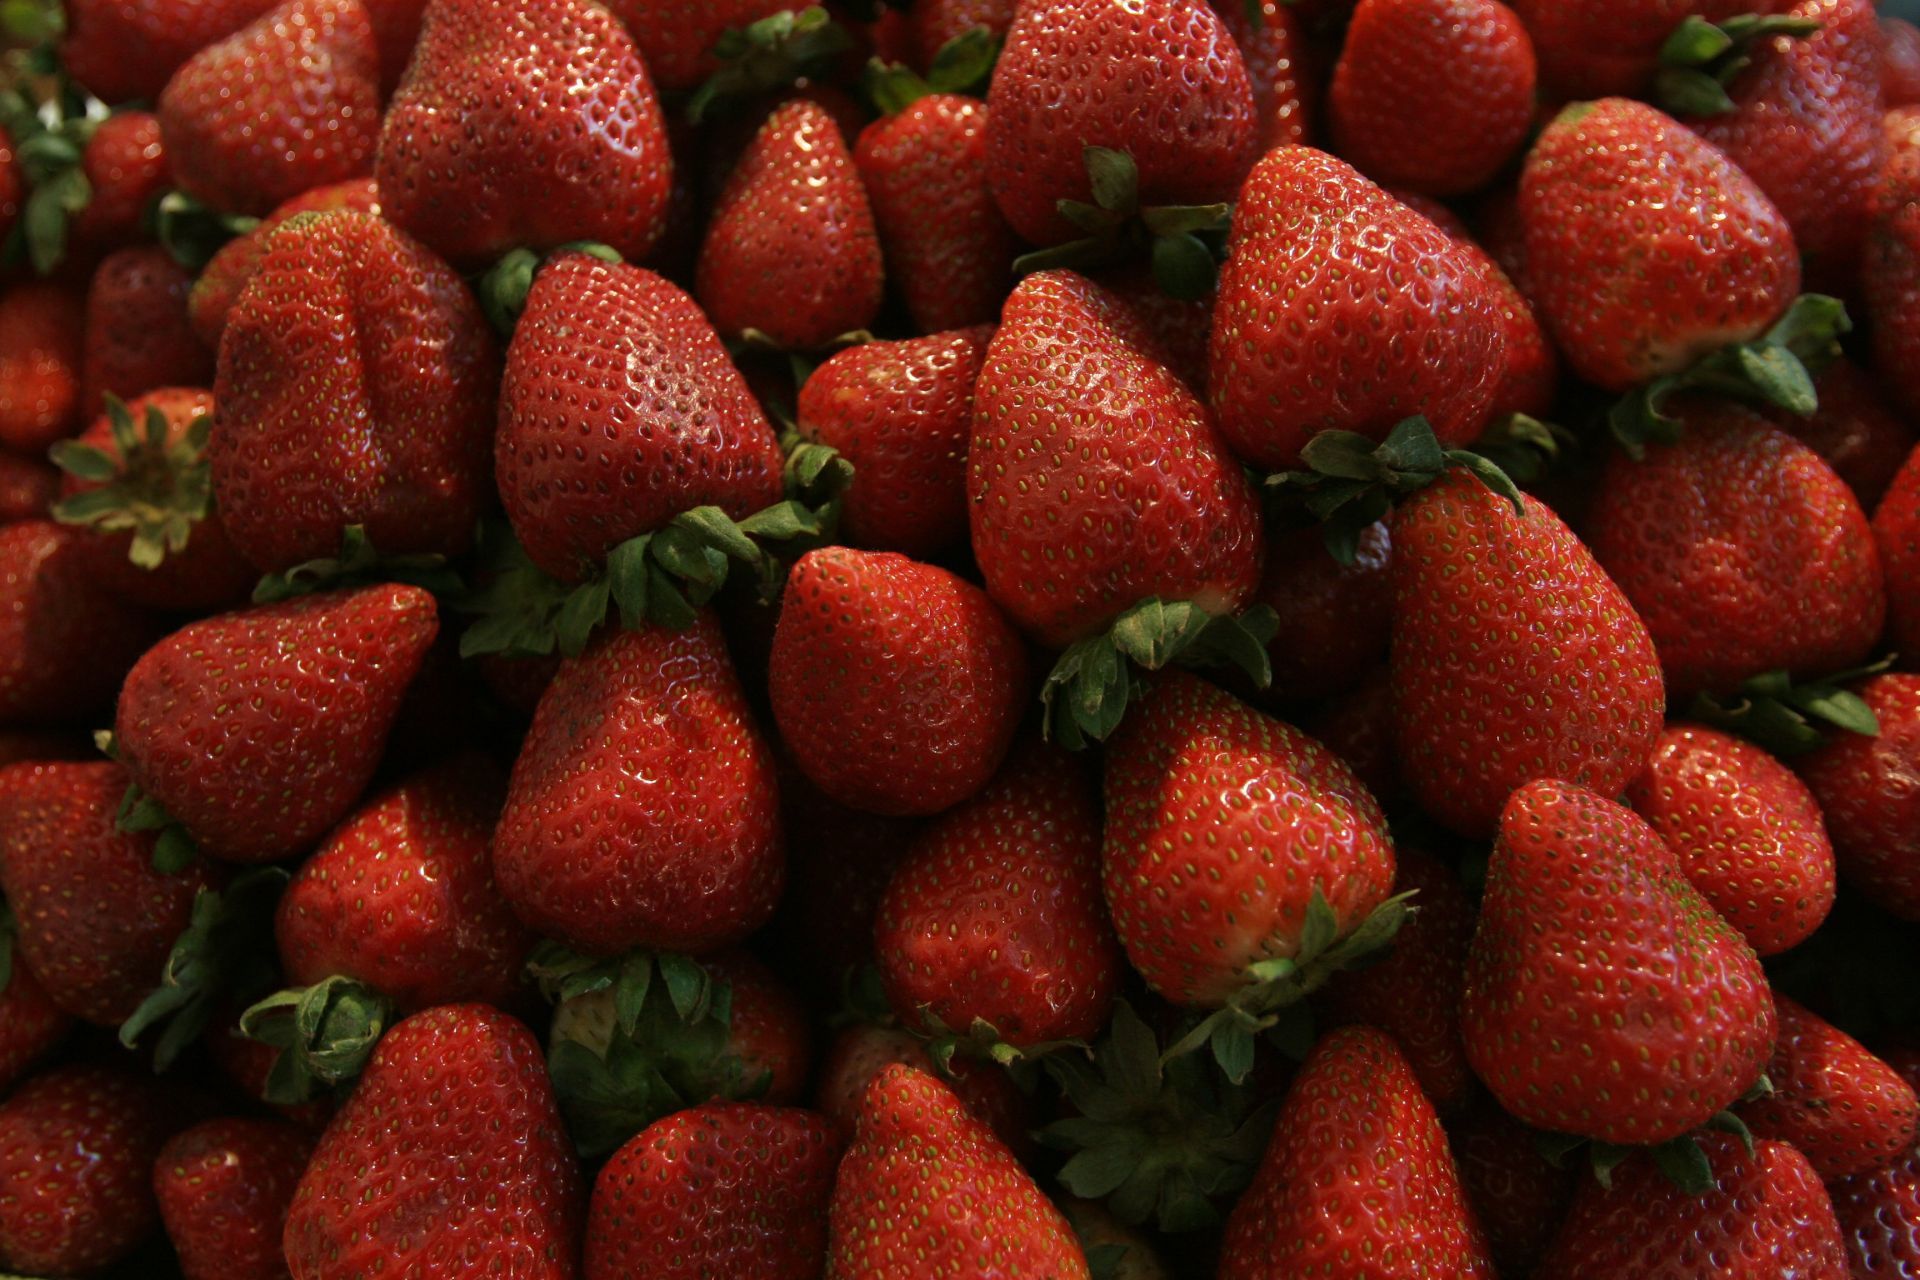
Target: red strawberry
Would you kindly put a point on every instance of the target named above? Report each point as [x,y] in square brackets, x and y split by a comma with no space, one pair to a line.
[356,387]
[1635,1024]
[791,249]
[926,1189]
[1896,529]
[96,918]
[258,730]
[934,24]
[281,106]
[64,643]
[1532,372]
[1333,617]
[1647,248]
[1764,1216]
[901,413]
[1325,269]
[1179,325]
[642,811]
[1900,70]
[1358,1168]
[1844,1109]
[896,685]
[677,36]
[594,343]
[31,1024]
[1865,789]
[226,275]
[728,1188]
[948,247]
[125,49]
[524,123]
[1746,830]
[41,331]
[77,1146]
[27,488]
[1514,657]
[862,1052]
[396,29]
[1855,430]
[125,164]
[1281,67]
[223,1187]
[1518,1196]
[451,1138]
[137,339]
[1879,1212]
[1172,92]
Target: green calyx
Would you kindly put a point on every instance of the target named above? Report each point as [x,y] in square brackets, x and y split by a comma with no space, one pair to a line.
[360,564]
[325,1034]
[1348,481]
[1184,242]
[1791,718]
[770,54]
[192,232]
[503,287]
[963,65]
[1681,1160]
[1701,59]
[1775,370]
[49,146]
[1524,447]
[1160,1139]
[1086,693]
[983,1041]
[225,953]
[155,490]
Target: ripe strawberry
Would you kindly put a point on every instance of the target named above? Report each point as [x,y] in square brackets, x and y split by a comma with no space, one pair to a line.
[926,1189]
[1764,1216]
[1179,325]
[642,810]
[356,387]
[1896,530]
[1518,1196]
[31,1024]
[1514,657]
[524,123]
[27,488]
[258,730]
[223,1187]
[1864,786]
[451,1137]
[126,168]
[1844,1109]
[64,643]
[1855,430]
[947,246]
[1280,66]
[41,330]
[396,29]
[1647,248]
[1323,266]
[594,343]
[1333,617]
[863,1051]
[728,1188]
[283,105]
[137,339]
[125,49]
[1632,1026]
[1900,68]
[1357,1145]
[1879,1212]
[226,275]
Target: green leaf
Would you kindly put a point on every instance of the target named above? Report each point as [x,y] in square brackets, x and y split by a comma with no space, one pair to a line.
[1114,179]
[1728,1122]
[1779,378]
[1685,1165]
[503,289]
[770,54]
[1184,268]
[45,214]
[1695,42]
[964,64]
[585,609]
[712,527]
[1488,473]
[1233,1050]
[1321,927]
[687,983]
[174,851]
[83,461]
[892,87]
[1603,1158]
[1840,708]
[192,233]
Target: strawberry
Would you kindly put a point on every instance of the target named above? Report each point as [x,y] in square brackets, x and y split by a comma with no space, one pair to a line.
[1761,1216]
[64,643]
[926,1189]
[223,1187]
[863,1051]
[1514,657]
[1281,67]
[96,916]
[125,49]
[946,244]
[285,104]
[1179,325]
[1333,617]
[1358,1167]
[502,90]
[1127,1251]
[396,29]
[1855,430]
[1900,69]
[1844,1109]
[447,1161]
[257,730]
[1532,373]
[126,169]
[901,413]
[897,686]
[728,1188]
[227,273]
[1517,1194]
[1879,1211]
[31,1024]
[677,37]
[1635,1025]
[1370,286]
[1896,530]
[42,326]
[137,339]
[77,1146]
[643,809]
[356,387]
[1864,788]
[791,249]
[1647,248]
[27,488]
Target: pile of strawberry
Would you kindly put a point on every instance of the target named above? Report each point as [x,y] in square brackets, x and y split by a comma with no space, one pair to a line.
[959,640]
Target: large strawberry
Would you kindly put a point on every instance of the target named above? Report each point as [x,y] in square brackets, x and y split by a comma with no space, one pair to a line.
[136,337]
[1896,529]
[1358,1168]
[1864,786]
[41,329]
[258,730]
[64,642]
[1635,1024]
[1281,66]
[356,387]
[449,1160]
[1856,429]
[223,1187]
[225,277]
[524,123]
[125,49]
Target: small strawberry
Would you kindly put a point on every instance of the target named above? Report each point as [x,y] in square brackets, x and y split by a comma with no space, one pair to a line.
[1844,1109]
[27,488]
[1855,430]
[137,339]
[227,273]
[223,1187]
[125,49]
[1896,530]
[64,642]
[1518,1195]
[863,1051]
[1864,786]
[1334,617]
[42,329]
[1282,67]
[1879,1211]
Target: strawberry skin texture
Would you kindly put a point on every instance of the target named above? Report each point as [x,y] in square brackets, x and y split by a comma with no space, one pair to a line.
[225,277]
[1844,1109]
[1341,309]
[31,1024]
[1647,248]
[42,328]
[502,90]
[1896,530]
[643,810]
[64,642]
[449,1160]
[1171,91]
[1866,791]
[897,686]
[356,386]
[1334,618]
[1604,997]
[1281,67]
[1358,1169]
[677,36]
[258,730]
[926,1192]
[586,361]
[1514,657]
[136,338]
[791,248]
[1746,830]
[725,1189]
[223,1188]
[1766,1218]
[1221,822]
[1855,429]
[1096,477]
[126,49]
[1879,1212]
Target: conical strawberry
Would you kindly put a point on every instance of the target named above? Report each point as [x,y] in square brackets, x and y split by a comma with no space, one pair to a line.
[1879,1212]
[1334,617]
[1516,1192]
[1856,429]
[31,1024]
[863,1051]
